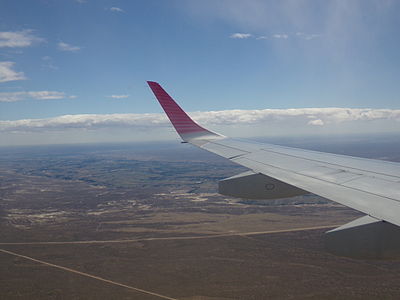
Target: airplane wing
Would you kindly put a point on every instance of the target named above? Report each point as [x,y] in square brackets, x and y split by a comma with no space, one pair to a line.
[367,185]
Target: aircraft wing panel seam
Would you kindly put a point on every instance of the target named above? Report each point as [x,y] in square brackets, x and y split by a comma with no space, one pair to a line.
[273,147]
[314,152]
[392,177]
[236,156]
[331,164]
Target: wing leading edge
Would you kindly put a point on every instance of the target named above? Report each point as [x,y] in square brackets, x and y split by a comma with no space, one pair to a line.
[367,185]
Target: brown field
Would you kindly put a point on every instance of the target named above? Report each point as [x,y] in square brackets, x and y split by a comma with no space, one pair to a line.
[69,229]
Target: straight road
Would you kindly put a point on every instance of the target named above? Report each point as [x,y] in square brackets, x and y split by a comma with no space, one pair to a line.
[210,236]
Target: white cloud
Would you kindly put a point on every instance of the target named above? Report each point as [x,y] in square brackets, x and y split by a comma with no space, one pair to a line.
[298,117]
[38,95]
[23,38]
[317,122]
[116,9]
[307,36]
[67,47]
[8,74]
[280,36]
[119,96]
[240,35]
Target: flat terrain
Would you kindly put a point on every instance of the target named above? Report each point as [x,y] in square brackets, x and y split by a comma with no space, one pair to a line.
[145,222]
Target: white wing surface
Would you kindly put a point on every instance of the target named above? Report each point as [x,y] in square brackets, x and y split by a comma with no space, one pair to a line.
[367,185]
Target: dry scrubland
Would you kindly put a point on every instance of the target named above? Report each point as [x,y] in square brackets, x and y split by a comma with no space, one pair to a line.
[148,216]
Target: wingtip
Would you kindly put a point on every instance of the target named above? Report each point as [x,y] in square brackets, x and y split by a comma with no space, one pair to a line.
[150,83]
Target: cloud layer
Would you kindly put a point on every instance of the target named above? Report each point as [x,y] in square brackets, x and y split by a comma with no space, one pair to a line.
[300,116]
[38,95]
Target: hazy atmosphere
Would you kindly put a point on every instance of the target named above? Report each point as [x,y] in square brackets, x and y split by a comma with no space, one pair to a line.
[76,71]
[284,182]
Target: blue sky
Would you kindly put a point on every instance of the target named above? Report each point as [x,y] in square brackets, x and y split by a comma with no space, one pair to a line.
[73,57]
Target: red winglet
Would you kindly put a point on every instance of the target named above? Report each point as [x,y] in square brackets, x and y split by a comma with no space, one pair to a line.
[183,124]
